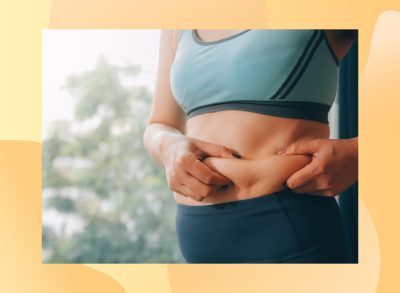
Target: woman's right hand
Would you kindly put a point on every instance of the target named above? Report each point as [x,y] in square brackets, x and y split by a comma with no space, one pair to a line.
[186,173]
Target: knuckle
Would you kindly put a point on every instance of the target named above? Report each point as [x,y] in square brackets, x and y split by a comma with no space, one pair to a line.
[201,192]
[197,197]
[207,191]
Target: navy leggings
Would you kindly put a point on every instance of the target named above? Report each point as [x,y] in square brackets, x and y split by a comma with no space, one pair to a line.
[282,227]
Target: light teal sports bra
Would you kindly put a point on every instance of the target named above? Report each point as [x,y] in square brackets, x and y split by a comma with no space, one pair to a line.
[284,73]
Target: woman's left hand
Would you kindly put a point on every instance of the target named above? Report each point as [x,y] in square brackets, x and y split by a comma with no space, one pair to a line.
[334,166]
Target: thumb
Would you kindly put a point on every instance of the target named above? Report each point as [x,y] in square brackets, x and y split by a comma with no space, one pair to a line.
[304,147]
[214,150]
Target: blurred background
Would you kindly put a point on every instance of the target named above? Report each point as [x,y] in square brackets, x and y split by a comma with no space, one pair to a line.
[104,200]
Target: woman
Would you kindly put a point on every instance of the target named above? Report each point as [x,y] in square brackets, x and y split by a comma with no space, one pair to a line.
[239,123]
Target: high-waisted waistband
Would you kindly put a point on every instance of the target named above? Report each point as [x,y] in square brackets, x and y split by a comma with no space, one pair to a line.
[279,227]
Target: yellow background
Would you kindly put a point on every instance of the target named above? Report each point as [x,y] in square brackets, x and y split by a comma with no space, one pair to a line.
[21,269]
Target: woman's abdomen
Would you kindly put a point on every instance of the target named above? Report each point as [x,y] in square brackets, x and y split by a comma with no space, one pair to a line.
[257,138]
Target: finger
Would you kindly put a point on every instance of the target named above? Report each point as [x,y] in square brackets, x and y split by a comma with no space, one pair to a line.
[309,187]
[197,186]
[202,172]
[186,191]
[302,176]
[302,147]
[316,184]
[214,150]
[320,182]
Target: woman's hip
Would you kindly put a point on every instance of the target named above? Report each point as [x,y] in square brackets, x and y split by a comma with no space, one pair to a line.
[279,227]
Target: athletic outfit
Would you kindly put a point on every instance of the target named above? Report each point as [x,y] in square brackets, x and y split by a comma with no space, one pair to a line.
[284,73]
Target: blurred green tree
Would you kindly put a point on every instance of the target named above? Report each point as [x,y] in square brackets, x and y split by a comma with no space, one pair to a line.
[97,172]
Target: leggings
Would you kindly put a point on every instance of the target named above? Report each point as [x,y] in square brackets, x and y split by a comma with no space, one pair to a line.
[282,227]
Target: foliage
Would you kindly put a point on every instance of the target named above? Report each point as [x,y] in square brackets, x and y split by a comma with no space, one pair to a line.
[97,172]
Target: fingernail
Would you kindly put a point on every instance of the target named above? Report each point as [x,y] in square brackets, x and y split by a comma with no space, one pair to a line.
[281,151]
[236,155]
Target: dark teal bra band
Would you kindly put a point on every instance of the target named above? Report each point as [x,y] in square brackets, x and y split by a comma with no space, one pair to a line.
[287,109]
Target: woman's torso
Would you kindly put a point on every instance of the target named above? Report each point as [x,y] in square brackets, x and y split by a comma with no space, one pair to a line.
[256,136]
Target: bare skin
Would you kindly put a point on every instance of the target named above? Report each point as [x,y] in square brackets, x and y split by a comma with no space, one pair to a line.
[260,170]
[257,138]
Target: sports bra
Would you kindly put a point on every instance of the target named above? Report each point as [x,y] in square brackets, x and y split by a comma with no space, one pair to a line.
[285,73]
